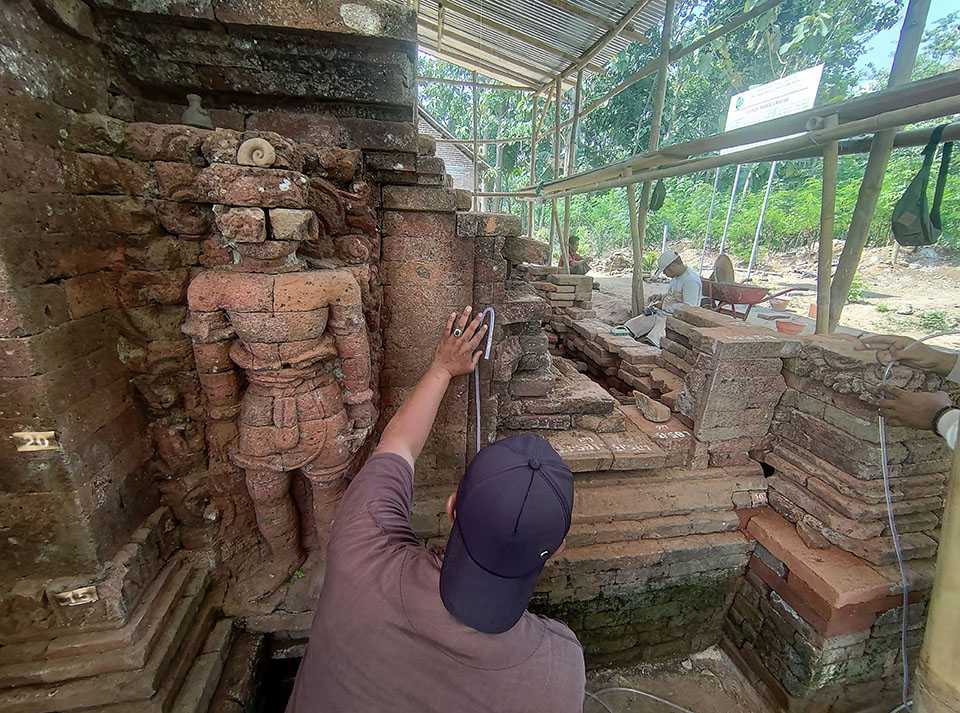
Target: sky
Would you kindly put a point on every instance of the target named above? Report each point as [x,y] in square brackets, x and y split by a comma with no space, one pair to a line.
[880,50]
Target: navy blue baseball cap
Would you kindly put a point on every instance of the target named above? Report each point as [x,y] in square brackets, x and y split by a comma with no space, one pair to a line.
[512,512]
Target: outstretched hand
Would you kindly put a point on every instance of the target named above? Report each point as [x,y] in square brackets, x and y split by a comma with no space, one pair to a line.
[457,352]
[906,351]
[915,409]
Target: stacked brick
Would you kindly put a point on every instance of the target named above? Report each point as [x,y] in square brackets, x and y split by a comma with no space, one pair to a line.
[820,629]
[825,447]
[731,380]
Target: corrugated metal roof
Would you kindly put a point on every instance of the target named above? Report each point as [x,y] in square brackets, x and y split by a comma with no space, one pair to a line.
[530,41]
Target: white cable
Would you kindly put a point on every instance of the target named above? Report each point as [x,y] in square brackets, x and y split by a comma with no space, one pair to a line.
[665,702]
[491,314]
[895,534]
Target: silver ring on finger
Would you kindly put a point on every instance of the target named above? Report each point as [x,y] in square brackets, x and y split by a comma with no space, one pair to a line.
[457,332]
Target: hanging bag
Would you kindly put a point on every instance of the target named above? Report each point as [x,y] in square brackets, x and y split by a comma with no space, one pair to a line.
[912,223]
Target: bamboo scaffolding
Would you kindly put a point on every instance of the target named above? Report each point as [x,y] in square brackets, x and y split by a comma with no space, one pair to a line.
[659,97]
[470,141]
[517,35]
[828,207]
[468,83]
[474,101]
[472,63]
[556,164]
[645,167]
[456,41]
[942,86]
[583,62]
[571,167]
[593,18]
[534,139]
[650,68]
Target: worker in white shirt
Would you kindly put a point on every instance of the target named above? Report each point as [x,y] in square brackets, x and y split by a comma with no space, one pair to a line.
[685,288]
[685,285]
[927,410]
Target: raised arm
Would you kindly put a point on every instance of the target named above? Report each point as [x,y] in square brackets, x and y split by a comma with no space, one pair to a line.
[456,355]
[910,352]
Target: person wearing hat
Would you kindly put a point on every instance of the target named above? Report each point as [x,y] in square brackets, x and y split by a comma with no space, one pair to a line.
[685,285]
[685,288]
[398,628]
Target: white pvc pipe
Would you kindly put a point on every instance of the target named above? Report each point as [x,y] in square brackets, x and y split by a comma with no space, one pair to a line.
[763,211]
[726,223]
[713,202]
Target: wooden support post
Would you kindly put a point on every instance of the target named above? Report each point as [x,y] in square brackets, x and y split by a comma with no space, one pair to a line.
[637,299]
[554,233]
[571,169]
[534,139]
[476,146]
[937,684]
[828,204]
[659,96]
[904,60]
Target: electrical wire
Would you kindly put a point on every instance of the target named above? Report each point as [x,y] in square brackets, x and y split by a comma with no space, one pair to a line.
[658,699]
[491,316]
[895,534]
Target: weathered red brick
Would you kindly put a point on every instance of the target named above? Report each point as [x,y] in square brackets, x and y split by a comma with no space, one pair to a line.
[232,185]
[241,225]
[39,353]
[190,219]
[30,168]
[163,142]
[90,173]
[29,310]
[91,293]
[294,225]
[211,290]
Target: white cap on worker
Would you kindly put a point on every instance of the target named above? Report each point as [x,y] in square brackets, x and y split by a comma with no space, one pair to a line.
[667,257]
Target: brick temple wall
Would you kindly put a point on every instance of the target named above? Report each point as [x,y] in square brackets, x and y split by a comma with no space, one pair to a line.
[69,225]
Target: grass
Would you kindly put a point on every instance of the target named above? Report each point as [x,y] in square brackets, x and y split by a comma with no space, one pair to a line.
[884,308]
[858,289]
[934,320]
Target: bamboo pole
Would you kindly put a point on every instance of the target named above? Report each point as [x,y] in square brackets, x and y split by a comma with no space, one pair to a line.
[515,34]
[903,62]
[828,206]
[921,93]
[713,203]
[468,83]
[534,139]
[898,117]
[637,298]
[458,42]
[903,139]
[474,101]
[472,63]
[650,68]
[659,97]
[583,62]
[482,142]
[594,19]
[763,212]
[571,167]
[441,17]
[937,684]
[733,197]
[556,164]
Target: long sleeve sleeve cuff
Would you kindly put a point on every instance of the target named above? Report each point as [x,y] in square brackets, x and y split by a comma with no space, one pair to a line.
[948,425]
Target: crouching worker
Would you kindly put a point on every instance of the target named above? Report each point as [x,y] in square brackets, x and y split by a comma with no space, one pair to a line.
[685,288]
[400,629]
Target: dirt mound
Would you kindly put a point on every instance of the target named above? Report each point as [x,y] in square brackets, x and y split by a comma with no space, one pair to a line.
[616,262]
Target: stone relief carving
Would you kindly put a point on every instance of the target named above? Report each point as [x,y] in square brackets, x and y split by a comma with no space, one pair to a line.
[256,152]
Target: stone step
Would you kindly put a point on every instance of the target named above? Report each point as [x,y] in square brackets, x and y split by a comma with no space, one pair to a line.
[204,676]
[665,493]
[169,683]
[127,687]
[655,528]
[588,452]
[125,649]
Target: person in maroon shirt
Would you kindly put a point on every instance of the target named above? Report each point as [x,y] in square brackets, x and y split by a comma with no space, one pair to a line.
[399,629]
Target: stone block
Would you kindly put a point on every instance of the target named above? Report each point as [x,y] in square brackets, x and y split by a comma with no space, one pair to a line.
[521,249]
[163,142]
[419,198]
[232,185]
[241,225]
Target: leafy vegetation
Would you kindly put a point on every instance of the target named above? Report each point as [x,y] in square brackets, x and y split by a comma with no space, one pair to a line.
[934,320]
[858,289]
[793,36]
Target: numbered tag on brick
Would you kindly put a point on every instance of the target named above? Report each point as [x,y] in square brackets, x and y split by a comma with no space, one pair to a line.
[36,441]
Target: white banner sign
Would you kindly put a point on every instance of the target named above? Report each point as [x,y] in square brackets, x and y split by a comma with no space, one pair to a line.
[796,92]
